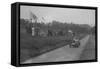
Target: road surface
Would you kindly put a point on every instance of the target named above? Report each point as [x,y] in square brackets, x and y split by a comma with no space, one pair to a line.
[61,54]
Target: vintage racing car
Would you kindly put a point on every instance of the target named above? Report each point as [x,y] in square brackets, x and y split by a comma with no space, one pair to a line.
[75,43]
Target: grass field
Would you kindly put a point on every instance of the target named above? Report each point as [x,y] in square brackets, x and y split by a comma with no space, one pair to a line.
[33,46]
[89,50]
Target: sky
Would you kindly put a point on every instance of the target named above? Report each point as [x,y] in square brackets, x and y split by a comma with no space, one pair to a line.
[77,16]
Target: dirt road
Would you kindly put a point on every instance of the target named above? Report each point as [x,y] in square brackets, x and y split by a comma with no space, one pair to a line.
[61,54]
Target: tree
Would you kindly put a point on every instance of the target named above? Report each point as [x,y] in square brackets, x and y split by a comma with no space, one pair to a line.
[33,16]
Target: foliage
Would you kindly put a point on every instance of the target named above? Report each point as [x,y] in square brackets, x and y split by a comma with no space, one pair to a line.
[55,26]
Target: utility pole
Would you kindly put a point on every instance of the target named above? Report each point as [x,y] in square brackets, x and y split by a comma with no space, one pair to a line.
[33,19]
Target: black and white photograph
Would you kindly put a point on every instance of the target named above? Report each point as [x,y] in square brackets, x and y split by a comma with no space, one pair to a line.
[53,34]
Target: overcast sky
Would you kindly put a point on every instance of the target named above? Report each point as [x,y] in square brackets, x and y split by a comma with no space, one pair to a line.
[78,16]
